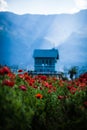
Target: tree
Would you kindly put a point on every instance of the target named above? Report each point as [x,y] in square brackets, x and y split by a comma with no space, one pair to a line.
[72,72]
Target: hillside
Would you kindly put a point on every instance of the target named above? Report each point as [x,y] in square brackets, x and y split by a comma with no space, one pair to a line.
[21,34]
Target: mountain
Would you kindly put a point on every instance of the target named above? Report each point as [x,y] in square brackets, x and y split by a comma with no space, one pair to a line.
[21,34]
[74,51]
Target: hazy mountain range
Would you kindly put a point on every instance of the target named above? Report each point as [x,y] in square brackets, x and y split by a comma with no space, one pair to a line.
[21,34]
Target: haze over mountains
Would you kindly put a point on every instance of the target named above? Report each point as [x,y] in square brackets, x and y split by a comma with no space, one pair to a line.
[21,34]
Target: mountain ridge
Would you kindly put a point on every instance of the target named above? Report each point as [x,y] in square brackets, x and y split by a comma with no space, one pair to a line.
[21,34]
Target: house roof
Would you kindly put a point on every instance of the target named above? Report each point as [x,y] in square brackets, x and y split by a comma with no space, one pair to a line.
[44,53]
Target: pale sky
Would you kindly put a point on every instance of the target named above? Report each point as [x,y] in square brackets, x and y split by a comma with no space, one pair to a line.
[43,6]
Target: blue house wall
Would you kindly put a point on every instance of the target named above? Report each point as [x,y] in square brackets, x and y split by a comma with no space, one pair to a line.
[45,60]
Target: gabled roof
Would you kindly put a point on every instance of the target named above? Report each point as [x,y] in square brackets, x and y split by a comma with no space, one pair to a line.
[44,53]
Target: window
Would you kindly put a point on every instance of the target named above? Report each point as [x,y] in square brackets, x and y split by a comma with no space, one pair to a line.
[47,61]
[50,62]
[43,61]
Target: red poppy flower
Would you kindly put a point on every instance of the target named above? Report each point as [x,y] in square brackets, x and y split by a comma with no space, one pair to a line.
[61,97]
[4,70]
[8,82]
[39,96]
[42,77]
[20,70]
[73,90]
[50,91]
[23,87]
[1,71]
[35,87]
[69,87]
[21,76]
[11,75]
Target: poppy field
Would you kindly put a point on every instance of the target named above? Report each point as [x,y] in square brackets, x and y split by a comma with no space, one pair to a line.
[42,102]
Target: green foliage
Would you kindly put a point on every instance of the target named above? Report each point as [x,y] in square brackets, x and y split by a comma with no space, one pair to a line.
[45,104]
[72,72]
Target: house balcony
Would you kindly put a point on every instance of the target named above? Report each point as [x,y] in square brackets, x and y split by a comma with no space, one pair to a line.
[44,68]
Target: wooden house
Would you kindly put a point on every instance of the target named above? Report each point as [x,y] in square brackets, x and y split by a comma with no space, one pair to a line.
[45,59]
